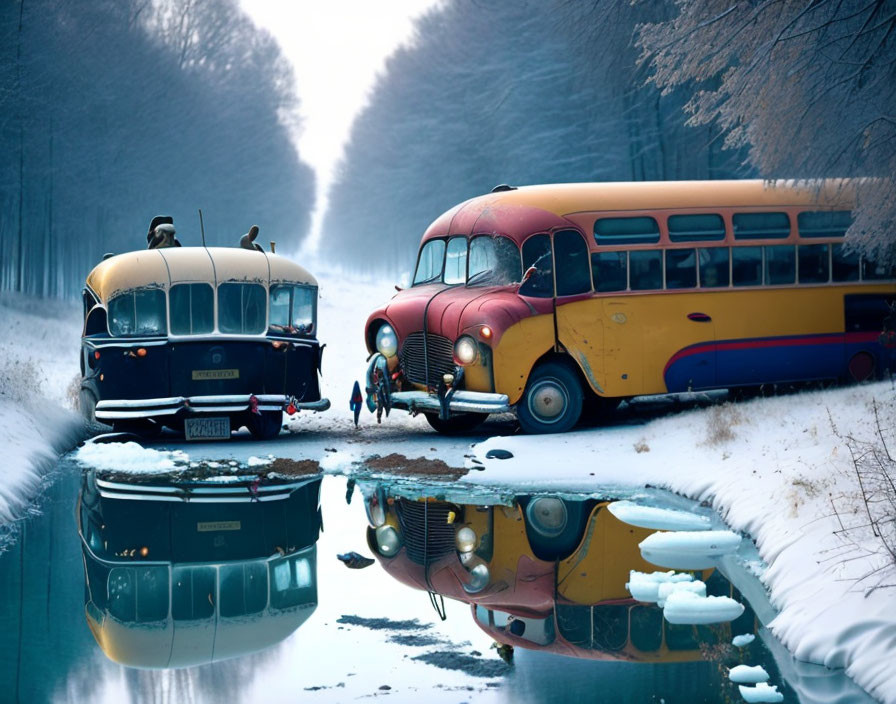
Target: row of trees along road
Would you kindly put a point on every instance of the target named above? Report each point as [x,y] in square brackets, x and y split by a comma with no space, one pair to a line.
[541,91]
[113,111]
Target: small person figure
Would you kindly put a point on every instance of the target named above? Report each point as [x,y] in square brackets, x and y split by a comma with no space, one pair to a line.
[247,241]
[356,402]
[161,233]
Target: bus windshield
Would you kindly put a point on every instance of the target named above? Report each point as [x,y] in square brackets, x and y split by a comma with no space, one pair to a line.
[494,261]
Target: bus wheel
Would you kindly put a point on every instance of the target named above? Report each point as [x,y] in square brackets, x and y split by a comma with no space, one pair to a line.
[552,402]
[456,425]
[861,366]
[265,425]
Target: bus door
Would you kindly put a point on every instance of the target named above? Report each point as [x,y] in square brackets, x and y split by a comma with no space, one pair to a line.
[679,324]
[578,312]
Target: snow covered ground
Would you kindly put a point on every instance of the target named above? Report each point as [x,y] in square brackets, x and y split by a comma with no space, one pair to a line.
[774,468]
[38,362]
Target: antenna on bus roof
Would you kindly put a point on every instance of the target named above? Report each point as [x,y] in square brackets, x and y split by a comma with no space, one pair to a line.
[201,227]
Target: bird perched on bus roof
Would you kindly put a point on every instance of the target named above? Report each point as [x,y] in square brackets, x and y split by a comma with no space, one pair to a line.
[161,233]
[247,241]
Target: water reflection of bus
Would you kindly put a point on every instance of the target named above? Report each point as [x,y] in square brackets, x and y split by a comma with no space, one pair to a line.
[519,553]
[204,340]
[540,572]
[180,574]
[546,299]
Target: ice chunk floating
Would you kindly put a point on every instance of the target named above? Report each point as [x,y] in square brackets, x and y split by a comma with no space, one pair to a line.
[743,640]
[761,693]
[689,608]
[689,550]
[657,518]
[644,586]
[745,674]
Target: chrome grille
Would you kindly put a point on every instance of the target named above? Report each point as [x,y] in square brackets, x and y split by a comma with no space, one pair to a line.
[425,529]
[440,351]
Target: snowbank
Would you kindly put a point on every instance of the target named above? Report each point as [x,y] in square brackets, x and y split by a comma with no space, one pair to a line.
[778,478]
[38,360]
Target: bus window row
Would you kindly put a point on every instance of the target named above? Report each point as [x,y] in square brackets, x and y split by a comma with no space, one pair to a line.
[709,227]
[189,309]
[722,267]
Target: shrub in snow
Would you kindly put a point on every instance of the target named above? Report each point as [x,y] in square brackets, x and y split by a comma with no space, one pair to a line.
[719,423]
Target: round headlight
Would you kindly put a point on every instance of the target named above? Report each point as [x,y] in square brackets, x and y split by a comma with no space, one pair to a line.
[386,341]
[465,539]
[547,515]
[478,579]
[387,540]
[466,350]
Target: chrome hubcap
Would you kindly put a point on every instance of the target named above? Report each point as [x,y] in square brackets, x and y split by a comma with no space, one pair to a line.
[548,400]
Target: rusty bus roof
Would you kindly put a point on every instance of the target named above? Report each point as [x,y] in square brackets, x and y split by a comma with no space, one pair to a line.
[163,267]
[529,209]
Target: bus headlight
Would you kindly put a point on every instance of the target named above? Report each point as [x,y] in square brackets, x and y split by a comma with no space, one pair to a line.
[387,540]
[466,350]
[465,539]
[479,577]
[386,341]
[547,515]
[376,514]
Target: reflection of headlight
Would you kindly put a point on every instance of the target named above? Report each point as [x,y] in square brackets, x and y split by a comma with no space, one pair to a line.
[547,515]
[466,539]
[466,350]
[478,579]
[376,514]
[386,341]
[387,540]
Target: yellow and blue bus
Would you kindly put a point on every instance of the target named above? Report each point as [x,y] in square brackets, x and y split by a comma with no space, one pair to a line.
[541,299]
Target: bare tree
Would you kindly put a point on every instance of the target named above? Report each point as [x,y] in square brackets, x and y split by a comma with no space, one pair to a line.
[808,85]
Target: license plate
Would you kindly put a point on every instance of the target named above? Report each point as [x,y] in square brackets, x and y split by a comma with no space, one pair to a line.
[207,428]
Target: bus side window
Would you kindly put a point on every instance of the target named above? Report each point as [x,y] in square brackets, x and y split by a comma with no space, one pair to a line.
[573,271]
[645,270]
[537,253]
[780,265]
[681,268]
[138,312]
[610,271]
[872,271]
[714,267]
[813,261]
[242,309]
[844,267]
[746,266]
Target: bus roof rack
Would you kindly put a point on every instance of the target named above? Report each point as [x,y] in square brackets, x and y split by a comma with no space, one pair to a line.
[503,187]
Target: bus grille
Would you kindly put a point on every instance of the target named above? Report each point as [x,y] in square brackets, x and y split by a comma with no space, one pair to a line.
[441,358]
[425,529]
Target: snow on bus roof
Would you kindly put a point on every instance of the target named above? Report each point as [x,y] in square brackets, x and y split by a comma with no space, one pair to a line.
[164,267]
[545,206]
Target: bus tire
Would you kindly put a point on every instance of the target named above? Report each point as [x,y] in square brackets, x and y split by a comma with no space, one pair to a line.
[552,401]
[265,425]
[455,425]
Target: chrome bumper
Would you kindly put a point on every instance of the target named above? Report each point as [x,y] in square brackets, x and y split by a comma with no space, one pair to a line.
[460,402]
[245,492]
[154,407]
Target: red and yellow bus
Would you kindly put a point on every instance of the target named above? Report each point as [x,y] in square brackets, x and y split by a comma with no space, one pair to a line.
[540,299]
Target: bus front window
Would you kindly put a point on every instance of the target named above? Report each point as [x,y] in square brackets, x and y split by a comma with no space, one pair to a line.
[429,265]
[494,261]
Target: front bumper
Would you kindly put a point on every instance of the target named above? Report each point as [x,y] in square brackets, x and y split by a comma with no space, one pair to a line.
[155,407]
[446,401]
[460,402]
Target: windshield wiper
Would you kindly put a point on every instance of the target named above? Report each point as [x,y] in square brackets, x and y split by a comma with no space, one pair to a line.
[430,280]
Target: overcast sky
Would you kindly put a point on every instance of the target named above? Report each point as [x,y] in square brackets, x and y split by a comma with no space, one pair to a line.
[337,47]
